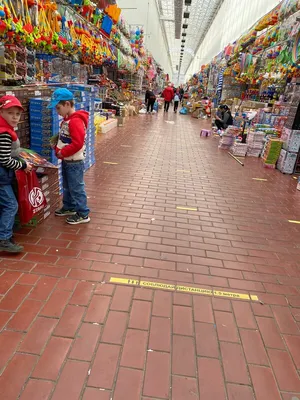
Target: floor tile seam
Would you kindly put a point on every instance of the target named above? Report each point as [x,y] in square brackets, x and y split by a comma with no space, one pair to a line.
[120,346]
[148,343]
[72,340]
[20,305]
[219,358]
[287,349]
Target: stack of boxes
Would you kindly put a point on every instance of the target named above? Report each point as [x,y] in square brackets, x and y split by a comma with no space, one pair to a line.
[49,182]
[271,152]
[292,94]
[255,141]
[289,160]
[239,149]
[289,152]
[24,94]
[44,123]
[286,162]
[228,137]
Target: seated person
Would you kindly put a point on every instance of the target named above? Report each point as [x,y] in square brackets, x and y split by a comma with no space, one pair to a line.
[223,117]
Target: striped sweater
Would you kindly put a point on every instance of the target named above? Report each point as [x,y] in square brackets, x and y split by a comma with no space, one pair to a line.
[9,148]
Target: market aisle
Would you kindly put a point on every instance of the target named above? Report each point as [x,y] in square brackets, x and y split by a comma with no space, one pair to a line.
[67,333]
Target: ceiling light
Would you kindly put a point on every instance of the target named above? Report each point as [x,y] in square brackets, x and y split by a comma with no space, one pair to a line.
[184,26]
[186,14]
[188,2]
[182,46]
[183,41]
[183,34]
[178,8]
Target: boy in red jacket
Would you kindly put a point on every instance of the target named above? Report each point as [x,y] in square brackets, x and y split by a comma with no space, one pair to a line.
[10,114]
[70,148]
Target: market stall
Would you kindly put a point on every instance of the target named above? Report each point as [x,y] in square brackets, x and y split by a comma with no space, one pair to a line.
[80,45]
[258,77]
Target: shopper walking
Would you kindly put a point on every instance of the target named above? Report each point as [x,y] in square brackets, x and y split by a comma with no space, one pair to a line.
[176,101]
[10,114]
[150,99]
[181,93]
[168,95]
[71,150]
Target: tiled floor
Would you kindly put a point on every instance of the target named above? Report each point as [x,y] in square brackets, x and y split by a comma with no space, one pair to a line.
[68,334]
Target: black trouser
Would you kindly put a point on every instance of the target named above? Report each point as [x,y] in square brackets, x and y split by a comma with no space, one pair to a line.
[150,104]
[220,124]
[167,105]
[176,104]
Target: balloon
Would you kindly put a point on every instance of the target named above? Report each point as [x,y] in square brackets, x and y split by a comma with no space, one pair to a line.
[137,32]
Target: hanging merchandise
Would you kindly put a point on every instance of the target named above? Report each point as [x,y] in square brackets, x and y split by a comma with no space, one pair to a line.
[287,8]
[248,39]
[269,19]
[72,31]
[296,51]
[137,41]
[124,27]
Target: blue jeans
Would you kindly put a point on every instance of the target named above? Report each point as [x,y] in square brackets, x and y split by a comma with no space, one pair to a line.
[74,196]
[8,211]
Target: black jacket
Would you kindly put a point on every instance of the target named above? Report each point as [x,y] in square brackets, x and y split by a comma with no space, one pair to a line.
[149,96]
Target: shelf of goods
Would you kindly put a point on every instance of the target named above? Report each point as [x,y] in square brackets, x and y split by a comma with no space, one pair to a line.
[231,88]
[42,130]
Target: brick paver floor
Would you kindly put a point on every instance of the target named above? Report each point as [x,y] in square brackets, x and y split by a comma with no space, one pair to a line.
[68,334]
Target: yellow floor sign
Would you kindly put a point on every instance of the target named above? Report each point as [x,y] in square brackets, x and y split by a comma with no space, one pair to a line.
[187,208]
[185,289]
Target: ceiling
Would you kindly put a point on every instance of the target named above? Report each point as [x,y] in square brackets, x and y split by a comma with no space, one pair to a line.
[186,23]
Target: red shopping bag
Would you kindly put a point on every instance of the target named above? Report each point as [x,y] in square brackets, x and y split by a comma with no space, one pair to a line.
[30,196]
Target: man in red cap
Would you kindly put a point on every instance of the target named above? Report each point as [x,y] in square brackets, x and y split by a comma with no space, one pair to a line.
[10,114]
